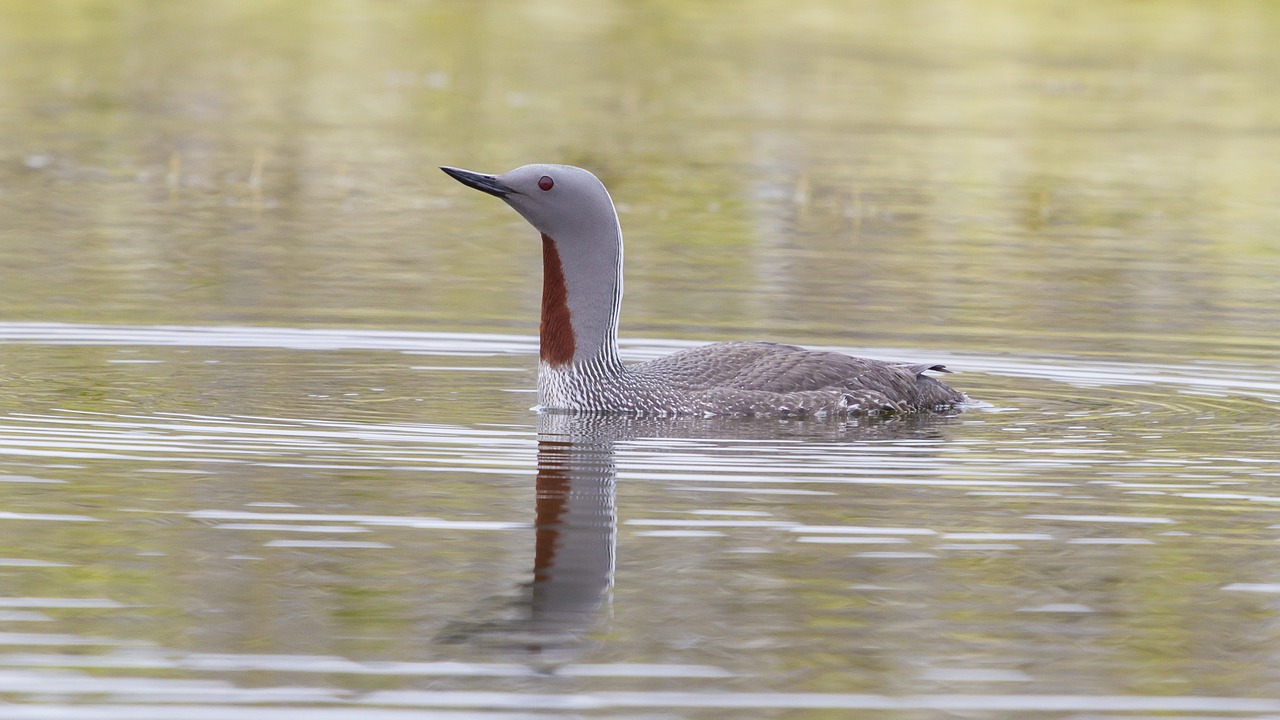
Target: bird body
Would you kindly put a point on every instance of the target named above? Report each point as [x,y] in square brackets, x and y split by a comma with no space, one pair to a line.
[580,370]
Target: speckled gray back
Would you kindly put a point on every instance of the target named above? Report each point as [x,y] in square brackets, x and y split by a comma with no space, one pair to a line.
[751,378]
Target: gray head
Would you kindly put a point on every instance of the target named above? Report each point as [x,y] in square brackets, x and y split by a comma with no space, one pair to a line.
[582,250]
[559,200]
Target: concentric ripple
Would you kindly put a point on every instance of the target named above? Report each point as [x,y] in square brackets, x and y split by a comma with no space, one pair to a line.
[1131,386]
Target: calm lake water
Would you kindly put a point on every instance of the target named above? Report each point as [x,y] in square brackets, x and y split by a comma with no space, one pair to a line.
[265,441]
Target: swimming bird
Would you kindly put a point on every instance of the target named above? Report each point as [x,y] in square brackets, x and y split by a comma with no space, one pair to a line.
[580,370]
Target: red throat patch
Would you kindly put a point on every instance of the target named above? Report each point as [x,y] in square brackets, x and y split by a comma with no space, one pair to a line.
[556,329]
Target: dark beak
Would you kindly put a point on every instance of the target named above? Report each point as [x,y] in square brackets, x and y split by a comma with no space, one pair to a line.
[481,182]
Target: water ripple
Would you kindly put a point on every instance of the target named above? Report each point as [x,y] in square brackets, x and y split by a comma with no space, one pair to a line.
[1202,374]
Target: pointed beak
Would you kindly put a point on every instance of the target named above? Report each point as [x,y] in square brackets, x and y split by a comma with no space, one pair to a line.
[479,181]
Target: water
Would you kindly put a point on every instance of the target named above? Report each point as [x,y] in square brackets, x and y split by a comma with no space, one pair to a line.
[265,440]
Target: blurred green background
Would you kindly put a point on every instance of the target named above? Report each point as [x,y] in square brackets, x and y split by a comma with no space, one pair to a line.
[1086,176]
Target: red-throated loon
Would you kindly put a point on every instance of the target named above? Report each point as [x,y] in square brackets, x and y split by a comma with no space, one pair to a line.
[580,370]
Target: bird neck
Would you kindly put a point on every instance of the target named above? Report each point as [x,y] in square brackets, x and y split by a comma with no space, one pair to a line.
[581,299]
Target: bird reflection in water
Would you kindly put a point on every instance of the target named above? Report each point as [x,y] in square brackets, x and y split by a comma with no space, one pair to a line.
[552,617]
[575,530]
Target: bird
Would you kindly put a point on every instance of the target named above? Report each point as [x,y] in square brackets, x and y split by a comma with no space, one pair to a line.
[579,368]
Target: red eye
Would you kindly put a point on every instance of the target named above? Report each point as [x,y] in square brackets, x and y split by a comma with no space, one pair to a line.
[546,183]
